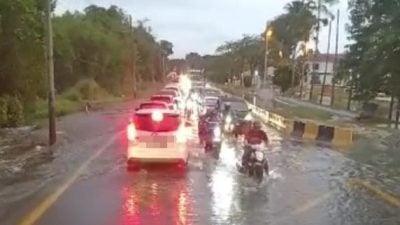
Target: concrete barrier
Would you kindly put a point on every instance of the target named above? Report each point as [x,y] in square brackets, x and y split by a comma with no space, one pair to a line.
[277,121]
[310,130]
[325,133]
[342,137]
[298,129]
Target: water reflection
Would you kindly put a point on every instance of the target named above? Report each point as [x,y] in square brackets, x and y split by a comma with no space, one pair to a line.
[156,199]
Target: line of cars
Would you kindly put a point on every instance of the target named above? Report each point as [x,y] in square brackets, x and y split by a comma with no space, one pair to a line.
[161,126]
[157,131]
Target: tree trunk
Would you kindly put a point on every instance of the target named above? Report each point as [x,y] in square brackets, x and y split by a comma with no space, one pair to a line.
[390,115]
[349,97]
[397,113]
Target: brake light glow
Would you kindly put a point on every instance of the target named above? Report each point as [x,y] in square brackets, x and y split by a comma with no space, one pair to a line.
[157,116]
[180,135]
[131,132]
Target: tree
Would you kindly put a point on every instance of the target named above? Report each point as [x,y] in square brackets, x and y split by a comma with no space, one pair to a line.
[21,49]
[194,60]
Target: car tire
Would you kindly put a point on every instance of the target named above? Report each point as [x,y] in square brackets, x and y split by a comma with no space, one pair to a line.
[133,166]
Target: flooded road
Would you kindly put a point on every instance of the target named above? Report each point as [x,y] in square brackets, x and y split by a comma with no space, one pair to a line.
[306,185]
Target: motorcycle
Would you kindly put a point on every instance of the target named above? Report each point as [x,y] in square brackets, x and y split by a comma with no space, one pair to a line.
[256,163]
[214,139]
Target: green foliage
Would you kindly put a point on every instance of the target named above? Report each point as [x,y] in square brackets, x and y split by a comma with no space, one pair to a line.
[373,56]
[98,46]
[3,111]
[283,77]
[15,112]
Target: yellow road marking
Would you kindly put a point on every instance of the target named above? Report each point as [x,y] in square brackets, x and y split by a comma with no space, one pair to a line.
[389,198]
[32,217]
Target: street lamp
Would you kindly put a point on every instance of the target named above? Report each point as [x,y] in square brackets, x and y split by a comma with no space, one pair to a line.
[268,34]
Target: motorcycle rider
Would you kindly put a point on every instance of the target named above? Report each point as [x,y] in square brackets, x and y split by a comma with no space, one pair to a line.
[255,136]
[204,131]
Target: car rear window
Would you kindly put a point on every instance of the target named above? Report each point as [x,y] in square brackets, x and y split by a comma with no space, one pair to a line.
[211,102]
[144,122]
[152,106]
[162,99]
[173,93]
[172,88]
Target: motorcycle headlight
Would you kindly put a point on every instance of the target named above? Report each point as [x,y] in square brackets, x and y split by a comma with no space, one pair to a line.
[259,155]
[228,119]
[217,132]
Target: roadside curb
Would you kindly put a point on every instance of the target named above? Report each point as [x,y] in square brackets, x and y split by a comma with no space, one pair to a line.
[338,136]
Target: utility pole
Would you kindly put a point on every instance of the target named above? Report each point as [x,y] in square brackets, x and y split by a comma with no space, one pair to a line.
[293,68]
[326,62]
[50,73]
[318,26]
[335,64]
[133,56]
[267,34]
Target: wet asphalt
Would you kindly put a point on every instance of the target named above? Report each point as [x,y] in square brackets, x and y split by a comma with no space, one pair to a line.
[307,185]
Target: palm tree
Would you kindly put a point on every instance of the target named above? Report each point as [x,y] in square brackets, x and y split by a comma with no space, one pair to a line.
[318,7]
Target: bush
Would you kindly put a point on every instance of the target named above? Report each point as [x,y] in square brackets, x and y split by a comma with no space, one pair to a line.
[90,90]
[72,95]
[15,112]
[3,111]
[63,107]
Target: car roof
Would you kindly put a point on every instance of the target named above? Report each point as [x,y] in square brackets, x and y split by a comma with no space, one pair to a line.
[154,102]
[232,99]
[162,95]
[211,97]
[171,91]
[147,111]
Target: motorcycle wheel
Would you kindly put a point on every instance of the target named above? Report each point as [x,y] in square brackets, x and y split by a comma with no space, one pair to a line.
[208,147]
[259,174]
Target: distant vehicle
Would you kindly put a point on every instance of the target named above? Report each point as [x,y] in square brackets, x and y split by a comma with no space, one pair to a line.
[201,84]
[156,136]
[153,105]
[210,102]
[168,99]
[174,94]
[238,107]
[211,92]
[176,87]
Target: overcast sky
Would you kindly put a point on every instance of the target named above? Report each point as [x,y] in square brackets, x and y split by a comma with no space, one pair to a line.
[202,25]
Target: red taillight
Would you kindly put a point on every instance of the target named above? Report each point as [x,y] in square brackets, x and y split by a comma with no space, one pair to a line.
[131,132]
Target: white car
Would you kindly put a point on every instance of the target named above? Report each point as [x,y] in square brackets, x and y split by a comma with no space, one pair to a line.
[178,100]
[157,136]
[178,88]
[168,99]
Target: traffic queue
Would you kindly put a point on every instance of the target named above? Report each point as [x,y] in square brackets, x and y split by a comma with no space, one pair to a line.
[160,128]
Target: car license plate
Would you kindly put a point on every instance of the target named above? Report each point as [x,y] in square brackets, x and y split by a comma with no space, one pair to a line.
[156,144]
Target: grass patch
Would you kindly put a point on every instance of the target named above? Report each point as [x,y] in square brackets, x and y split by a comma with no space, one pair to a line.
[303,113]
[63,107]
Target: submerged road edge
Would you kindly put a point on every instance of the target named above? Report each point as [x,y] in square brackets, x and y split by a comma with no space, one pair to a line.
[34,215]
